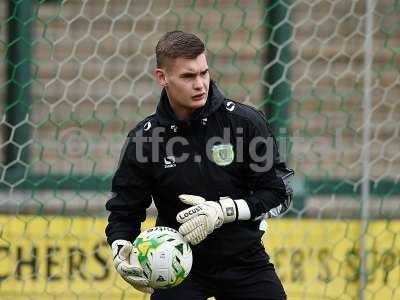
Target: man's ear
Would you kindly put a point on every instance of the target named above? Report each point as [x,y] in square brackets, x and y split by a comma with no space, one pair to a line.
[161,77]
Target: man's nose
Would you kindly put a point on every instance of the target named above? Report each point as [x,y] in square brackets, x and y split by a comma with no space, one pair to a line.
[197,84]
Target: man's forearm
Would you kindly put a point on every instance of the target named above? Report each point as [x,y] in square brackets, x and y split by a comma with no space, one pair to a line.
[122,227]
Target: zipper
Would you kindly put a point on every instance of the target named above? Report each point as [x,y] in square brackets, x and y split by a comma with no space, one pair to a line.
[196,139]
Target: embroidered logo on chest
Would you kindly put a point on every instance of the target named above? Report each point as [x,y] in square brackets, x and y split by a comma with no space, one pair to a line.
[223,154]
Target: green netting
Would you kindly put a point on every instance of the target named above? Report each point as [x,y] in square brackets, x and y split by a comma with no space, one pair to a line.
[77,75]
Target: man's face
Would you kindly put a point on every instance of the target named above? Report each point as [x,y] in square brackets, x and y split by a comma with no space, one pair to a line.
[187,82]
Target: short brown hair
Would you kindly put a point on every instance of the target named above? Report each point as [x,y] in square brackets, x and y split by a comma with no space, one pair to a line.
[176,44]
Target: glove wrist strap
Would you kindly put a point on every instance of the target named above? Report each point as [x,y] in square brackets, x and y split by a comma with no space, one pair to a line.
[243,210]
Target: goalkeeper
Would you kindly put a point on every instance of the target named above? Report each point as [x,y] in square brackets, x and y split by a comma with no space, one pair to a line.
[212,167]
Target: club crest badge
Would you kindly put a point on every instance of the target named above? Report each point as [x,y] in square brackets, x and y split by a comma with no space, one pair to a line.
[223,154]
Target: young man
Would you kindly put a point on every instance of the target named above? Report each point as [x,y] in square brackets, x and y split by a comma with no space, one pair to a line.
[212,167]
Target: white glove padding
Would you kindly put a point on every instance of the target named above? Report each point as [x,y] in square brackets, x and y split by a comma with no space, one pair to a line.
[127,265]
[204,216]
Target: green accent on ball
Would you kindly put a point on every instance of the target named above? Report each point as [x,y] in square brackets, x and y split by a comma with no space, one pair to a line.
[180,248]
[145,246]
[180,273]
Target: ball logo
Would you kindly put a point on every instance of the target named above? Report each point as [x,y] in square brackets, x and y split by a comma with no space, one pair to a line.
[161,228]
[161,278]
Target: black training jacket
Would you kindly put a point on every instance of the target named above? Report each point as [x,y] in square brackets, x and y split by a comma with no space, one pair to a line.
[231,164]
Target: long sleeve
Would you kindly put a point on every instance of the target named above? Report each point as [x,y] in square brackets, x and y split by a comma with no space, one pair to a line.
[130,194]
[268,177]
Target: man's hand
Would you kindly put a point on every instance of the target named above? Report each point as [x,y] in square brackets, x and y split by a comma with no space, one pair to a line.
[128,266]
[204,216]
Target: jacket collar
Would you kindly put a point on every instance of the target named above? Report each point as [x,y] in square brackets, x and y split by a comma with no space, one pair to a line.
[167,116]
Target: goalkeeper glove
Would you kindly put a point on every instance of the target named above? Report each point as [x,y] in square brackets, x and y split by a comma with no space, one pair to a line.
[204,216]
[127,265]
